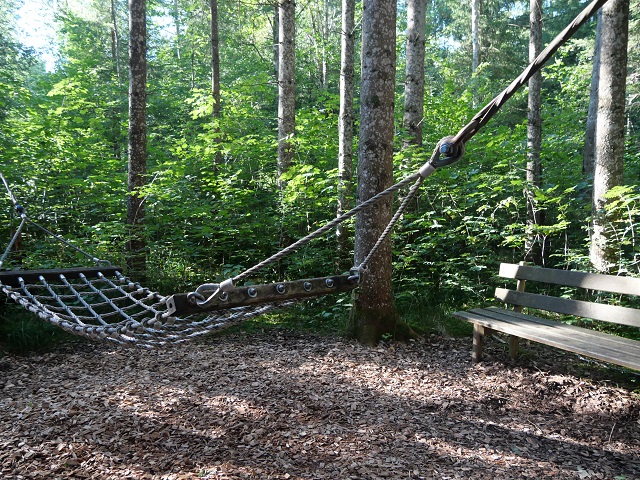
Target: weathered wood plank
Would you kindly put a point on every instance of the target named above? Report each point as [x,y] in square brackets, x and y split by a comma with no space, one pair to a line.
[539,322]
[598,345]
[592,281]
[599,351]
[478,341]
[180,304]
[595,311]
[514,346]
[11,277]
[609,348]
[552,328]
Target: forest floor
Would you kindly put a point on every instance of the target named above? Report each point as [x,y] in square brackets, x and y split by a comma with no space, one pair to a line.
[290,406]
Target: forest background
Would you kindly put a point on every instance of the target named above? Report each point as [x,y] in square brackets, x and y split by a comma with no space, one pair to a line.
[215,203]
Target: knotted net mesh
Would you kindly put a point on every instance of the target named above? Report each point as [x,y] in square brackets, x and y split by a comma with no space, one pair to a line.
[115,309]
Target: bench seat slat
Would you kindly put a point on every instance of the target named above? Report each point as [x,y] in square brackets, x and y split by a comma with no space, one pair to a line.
[584,341]
[576,332]
[571,278]
[558,335]
[598,345]
[549,329]
[595,311]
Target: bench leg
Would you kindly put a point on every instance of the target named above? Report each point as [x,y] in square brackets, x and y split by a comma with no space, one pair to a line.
[513,346]
[478,340]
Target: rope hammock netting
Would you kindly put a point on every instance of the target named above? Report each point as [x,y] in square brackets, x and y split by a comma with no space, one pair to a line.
[101,303]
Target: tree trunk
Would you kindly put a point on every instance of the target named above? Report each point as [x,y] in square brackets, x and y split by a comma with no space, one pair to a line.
[345,125]
[588,157]
[115,41]
[325,40]
[286,86]
[475,35]
[609,129]
[320,27]
[115,119]
[475,48]
[176,22]
[414,80]
[276,40]
[375,314]
[534,244]
[137,136]
[215,80]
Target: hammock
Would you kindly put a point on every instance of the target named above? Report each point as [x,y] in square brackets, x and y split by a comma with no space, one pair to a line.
[101,303]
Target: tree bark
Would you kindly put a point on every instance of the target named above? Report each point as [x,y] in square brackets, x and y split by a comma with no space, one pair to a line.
[588,157]
[534,244]
[215,80]
[276,40]
[414,80]
[345,125]
[610,125]
[176,22]
[115,41]
[325,40]
[114,113]
[320,26]
[286,86]
[475,48]
[375,314]
[475,35]
[137,136]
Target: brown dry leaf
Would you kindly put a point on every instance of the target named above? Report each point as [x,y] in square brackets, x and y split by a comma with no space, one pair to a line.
[284,406]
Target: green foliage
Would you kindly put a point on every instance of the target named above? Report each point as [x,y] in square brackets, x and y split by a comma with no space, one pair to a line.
[22,332]
[63,137]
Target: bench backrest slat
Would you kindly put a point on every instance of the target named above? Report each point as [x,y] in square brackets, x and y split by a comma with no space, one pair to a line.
[592,281]
[595,311]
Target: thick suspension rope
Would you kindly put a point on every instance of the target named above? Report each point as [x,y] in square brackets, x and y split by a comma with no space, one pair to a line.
[484,115]
[24,219]
[448,151]
[86,302]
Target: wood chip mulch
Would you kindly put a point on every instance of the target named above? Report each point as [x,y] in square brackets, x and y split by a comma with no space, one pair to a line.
[287,406]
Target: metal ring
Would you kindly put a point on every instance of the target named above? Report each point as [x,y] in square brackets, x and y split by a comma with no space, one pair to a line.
[307,286]
[450,151]
[329,282]
[280,288]
[252,292]
[193,297]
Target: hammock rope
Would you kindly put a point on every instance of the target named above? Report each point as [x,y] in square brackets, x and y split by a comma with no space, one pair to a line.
[115,309]
[101,303]
[448,151]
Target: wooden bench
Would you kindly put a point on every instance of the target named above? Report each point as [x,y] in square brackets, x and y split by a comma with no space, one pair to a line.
[602,346]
